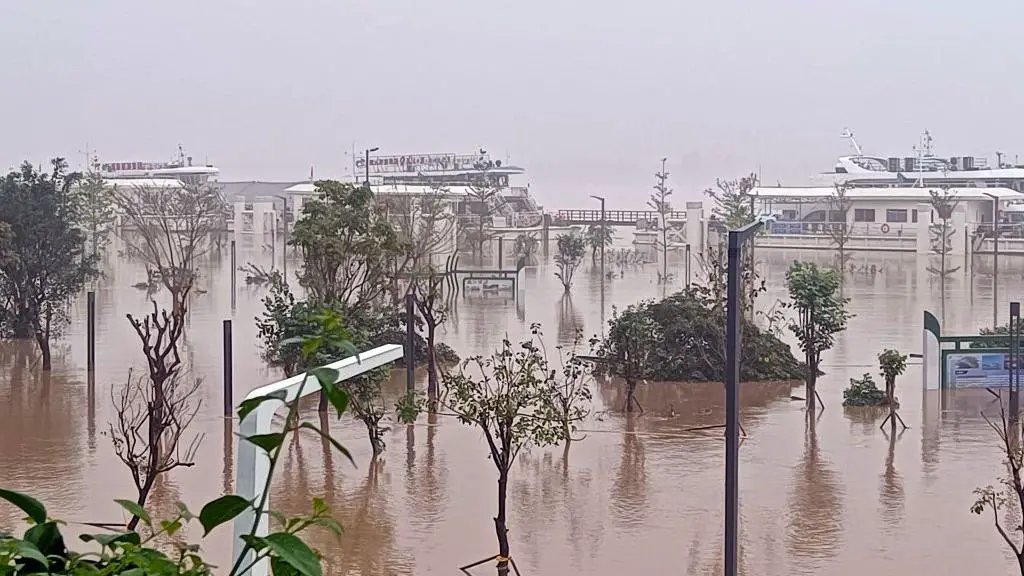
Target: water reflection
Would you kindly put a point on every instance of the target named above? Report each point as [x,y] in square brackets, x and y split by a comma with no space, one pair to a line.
[815,527]
[629,488]
[890,492]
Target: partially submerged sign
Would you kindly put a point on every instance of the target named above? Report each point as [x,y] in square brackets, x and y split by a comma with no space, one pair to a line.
[489,286]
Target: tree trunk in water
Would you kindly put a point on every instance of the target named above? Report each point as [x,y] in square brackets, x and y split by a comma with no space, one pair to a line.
[812,376]
[431,369]
[44,349]
[630,390]
[375,441]
[141,501]
[499,524]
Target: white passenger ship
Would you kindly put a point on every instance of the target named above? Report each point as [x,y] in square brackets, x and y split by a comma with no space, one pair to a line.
[181,169]
[889,201]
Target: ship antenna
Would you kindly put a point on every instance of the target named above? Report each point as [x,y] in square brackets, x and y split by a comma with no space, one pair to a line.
[848,134]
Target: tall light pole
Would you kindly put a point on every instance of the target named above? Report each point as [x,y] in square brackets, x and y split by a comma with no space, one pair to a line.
[367,165]
[604,225]
[737,239]
[284,233]
[995,257]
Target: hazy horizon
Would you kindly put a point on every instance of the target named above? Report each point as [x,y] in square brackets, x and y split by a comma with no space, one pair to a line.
[588,97]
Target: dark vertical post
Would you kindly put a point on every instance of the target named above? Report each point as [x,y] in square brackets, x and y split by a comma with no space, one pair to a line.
[995,262]
[687,265]
[501,251]
[732,404]
[367,166]
[410,342]
[1015,361]
[90,333]
[229,402]
[233,274]
[737,239]
[284,232]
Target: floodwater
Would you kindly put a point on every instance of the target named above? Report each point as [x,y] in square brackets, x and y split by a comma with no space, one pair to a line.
[639,494]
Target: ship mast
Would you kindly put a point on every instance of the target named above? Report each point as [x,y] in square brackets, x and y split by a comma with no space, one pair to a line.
[848,134]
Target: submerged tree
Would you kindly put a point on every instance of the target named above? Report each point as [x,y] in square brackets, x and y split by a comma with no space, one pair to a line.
[98,210]
[892,364]
[170,229]
[505,396]
[571,249]
[996,499]
[839,229]
[526,247]
[45,264]
[434,307]
[633,336]
[821,314]
[149,436]
[568,385]
[660,204]
[487,196]
[598,235]
[943,203]
[733,200]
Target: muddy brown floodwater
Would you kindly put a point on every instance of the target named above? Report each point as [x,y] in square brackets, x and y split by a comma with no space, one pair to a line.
[638,495]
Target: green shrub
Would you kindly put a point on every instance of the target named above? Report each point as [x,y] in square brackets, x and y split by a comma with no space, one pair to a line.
[863,392]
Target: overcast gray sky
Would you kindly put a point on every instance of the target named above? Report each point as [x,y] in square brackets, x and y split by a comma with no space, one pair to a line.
[588,95]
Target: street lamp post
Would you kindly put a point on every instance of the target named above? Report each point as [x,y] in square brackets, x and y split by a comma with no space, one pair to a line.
[367,165]
[284,234]
[995,257]
[604,225]
[737,239]
[1015,361]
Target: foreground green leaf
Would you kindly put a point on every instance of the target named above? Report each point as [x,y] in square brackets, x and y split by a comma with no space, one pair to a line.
[29,505]
[247,406]
[134,509]
[110,539]
[293,551]
[29,551]
[221,510]
[268,442]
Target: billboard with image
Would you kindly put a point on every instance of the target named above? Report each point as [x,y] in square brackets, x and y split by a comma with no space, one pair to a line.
[978,369]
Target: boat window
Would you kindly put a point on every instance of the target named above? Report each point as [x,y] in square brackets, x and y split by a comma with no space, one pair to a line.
[863,215]
[897,215]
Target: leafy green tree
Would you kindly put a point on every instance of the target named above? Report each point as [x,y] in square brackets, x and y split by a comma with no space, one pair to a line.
[526,247]
[486,196]
[98,210]
[734,201]
[571,249]
[660,204]
[821,314]
[434,306]
[892,365]
[160,550]
[506,396]
[46,264]
[348,246]
[633,336]
[569,385]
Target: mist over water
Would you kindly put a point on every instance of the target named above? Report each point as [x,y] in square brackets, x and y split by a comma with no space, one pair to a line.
[638,494]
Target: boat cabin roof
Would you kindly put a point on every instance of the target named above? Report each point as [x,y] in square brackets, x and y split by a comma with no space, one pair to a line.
[908,193]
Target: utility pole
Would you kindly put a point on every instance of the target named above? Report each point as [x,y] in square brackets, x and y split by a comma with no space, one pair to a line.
[604,231]
[367,165]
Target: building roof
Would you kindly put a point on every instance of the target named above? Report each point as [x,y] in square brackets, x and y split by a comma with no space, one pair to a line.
[252,189]
[923,194]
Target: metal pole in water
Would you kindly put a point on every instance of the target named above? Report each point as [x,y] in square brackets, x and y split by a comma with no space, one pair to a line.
[732,405]
[90,332]
[501,251]
[233,279]
[228,371]
[410,342]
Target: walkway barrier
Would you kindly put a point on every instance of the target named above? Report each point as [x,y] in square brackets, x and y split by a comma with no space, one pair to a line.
[253,464]
[976,361]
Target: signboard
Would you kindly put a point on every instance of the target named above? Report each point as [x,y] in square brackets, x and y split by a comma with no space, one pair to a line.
[420,163]
[978,370]
[489,286]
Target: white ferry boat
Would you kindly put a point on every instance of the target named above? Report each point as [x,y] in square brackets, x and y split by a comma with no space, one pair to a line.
[889,202]
[180,169]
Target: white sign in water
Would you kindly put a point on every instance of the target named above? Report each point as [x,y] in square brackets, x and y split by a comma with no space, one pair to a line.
[489,284]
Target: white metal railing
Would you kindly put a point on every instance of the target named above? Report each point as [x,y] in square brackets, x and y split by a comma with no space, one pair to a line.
[253,464]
